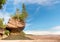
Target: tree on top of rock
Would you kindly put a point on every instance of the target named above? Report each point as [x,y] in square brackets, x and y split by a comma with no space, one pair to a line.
[21,16]
[24,12]
[17,15]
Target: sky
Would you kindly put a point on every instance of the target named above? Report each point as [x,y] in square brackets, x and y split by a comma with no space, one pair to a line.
[43,15]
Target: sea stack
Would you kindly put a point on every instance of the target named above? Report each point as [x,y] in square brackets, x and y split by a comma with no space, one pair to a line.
[15,25]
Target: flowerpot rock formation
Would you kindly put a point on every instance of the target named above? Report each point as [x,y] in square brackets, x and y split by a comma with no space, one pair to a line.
[15,25]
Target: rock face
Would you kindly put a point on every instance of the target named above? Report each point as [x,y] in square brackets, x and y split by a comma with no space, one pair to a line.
[15,25]
[2,31]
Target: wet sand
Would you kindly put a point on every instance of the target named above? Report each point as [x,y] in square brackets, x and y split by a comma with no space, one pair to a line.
[29,41]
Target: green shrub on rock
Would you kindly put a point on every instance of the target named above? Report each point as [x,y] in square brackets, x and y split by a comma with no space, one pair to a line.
[22,33]
[7,32]
[2,25]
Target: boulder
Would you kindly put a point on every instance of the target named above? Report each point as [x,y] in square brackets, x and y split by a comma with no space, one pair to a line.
[2,31]
[15,25]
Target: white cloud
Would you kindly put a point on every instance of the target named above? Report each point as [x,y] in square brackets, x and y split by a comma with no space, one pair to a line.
[41,2]
[53,31]
[43,32]
[28,24]
[5,15]
[37,32]
[56,28]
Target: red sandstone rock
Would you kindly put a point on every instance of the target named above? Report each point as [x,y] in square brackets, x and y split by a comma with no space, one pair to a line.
[15,25]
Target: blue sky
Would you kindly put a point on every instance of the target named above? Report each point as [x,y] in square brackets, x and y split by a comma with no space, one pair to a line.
[43,15]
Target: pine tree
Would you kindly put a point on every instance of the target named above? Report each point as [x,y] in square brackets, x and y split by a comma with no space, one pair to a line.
[24,13]
[16,15]
[2,2]
[22,16]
